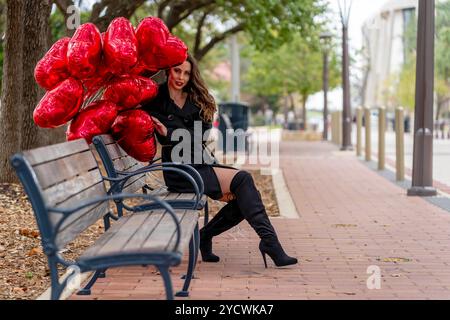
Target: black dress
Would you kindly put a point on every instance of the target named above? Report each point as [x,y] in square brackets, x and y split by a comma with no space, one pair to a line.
[165,110]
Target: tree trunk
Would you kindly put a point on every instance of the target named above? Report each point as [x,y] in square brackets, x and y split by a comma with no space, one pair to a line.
[35,44]
[304,112]
[12,88]
[286,111]
[440,102]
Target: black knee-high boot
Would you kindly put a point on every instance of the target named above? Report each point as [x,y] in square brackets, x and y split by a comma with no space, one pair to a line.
[227,217]
[251,206]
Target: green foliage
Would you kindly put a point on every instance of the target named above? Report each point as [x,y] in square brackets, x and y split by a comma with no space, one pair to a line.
[268,23]
[443,40]
[58,26]
[403,86]
[407,85]
[271,23]
[296,66]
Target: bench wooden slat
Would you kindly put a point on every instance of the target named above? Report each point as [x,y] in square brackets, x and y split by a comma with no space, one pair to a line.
[125,165]
[134,184]
[187,225]
[53,172]
[115,151]
[70,232]
[60,150]
[82,219]
[131,164]
[108,139]
[122,234]
[153,176]
[138,238]
[163,233]
[62,191]
[108,242]
[187,196]
[144,232]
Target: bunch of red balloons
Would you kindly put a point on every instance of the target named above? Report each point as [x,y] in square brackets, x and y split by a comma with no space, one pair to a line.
[94,80]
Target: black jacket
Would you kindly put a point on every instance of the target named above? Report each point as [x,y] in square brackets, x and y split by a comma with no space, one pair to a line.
[165,110]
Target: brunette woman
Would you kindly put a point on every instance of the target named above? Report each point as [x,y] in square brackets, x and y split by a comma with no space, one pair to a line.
[182,101]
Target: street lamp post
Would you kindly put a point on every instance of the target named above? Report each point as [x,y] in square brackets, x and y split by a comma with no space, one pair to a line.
[422,177]
[326,39]
[346,114]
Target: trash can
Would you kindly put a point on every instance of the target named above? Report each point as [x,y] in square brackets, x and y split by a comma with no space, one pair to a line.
[238,114]
[406,124]
[224,124]
[233,116]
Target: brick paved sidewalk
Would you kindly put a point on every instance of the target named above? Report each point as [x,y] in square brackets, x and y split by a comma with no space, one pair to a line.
[350,218]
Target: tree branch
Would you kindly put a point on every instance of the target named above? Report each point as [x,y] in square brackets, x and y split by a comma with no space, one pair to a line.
[62,5]
[181,10]
[199,54]
[114,8]
[161,6]
[201,22]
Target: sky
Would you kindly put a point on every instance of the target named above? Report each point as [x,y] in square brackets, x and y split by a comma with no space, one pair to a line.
[361,10]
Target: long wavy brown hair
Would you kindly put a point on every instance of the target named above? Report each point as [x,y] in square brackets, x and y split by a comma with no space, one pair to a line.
[198,92]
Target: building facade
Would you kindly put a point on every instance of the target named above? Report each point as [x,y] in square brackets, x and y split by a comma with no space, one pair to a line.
[384,47]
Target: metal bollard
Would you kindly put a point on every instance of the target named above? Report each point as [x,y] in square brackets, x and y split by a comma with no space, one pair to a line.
[359,115]
[368,132]
[339,127]
[381,138]
[333,127]
[399,144]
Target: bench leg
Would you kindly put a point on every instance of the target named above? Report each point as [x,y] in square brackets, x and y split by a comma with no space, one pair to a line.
[193,254]
[164,270]
[196,250]
[87,289]
[197,243]
[206,213]
[57,288]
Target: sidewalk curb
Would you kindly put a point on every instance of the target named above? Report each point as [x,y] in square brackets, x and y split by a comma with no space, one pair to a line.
[46,295]
[284,200]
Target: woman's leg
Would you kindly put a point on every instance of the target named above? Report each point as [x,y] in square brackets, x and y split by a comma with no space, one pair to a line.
[228,217]
[225,176]
[252,208]
[240,186]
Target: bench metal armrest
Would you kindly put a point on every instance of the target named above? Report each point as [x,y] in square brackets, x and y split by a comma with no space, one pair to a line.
[154,160]
[176,165]
[68,211]
[118,183]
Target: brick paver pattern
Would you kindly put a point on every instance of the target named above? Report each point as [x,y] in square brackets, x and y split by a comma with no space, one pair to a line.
[350,218]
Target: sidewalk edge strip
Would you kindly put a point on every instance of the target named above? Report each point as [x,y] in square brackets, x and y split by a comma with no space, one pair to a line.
[284,200]
[46,295]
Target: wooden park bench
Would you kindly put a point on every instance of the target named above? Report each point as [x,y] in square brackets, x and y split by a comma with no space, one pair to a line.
[68,194]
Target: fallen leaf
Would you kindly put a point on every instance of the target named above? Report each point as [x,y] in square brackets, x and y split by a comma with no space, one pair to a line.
[396,275]
[18,290]
[342,225]
[394,259]
[34,251]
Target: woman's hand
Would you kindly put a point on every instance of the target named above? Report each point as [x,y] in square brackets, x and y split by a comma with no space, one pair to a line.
[160,128]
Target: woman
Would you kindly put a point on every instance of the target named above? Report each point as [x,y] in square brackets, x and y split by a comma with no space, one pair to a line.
[182,100]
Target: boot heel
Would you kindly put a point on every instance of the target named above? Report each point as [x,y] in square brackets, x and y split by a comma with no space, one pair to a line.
[264,258]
